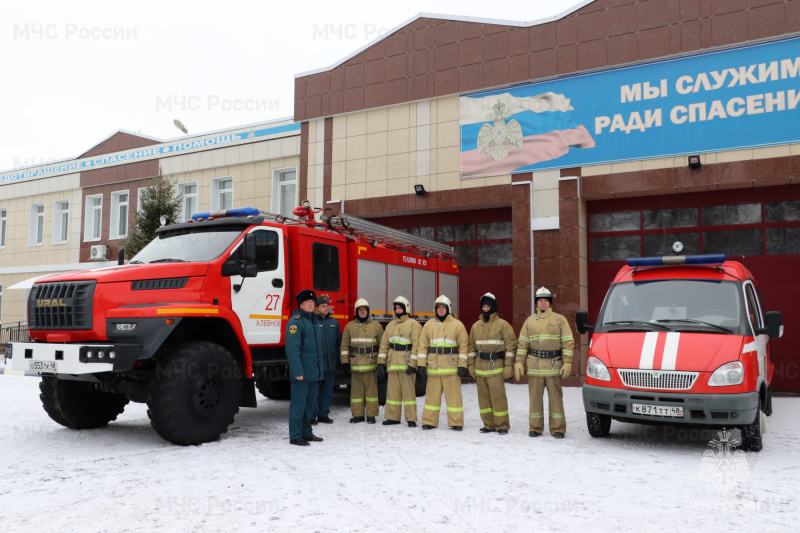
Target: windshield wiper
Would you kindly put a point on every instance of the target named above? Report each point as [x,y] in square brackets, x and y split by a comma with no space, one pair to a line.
[639,322]
[169,260]
[695,321]
[135,263]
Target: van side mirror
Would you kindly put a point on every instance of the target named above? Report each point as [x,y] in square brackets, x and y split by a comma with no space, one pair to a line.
[248,267]
[774,325]
[582,322]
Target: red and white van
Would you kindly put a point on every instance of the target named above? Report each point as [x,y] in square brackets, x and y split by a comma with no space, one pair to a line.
[681,340]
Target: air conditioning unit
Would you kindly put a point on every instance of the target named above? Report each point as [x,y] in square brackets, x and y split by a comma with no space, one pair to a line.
[99,252]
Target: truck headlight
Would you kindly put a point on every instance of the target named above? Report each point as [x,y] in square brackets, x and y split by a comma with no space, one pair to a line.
[595,369]
[728,374]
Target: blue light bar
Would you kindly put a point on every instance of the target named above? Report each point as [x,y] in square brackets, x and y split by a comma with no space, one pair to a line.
[224,213]
[711,259]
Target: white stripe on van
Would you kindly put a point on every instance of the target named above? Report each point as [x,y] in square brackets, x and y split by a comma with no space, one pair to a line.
[670,351]
[648,350]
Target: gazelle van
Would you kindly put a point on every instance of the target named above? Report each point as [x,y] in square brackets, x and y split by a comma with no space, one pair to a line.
[681,340]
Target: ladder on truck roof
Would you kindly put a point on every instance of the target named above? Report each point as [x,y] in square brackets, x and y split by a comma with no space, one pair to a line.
[358,227]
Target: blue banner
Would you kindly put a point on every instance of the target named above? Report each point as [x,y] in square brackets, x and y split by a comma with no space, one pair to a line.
[739,98]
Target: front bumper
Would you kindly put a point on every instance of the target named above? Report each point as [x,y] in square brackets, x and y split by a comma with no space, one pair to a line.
[35,358]
[700,409]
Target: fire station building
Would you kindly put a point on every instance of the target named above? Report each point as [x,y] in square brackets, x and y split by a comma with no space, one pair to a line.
[547,152]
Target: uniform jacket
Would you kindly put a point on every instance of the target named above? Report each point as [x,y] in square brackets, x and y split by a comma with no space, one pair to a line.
[366,336]
[545,330]
[405,331]
[493,336]
[303,346]
[445,336]
[331,342]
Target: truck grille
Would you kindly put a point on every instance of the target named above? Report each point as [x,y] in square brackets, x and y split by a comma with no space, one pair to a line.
[66,305]
[658,379]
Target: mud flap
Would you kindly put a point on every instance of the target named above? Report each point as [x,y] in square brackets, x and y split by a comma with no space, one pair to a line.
[248,398]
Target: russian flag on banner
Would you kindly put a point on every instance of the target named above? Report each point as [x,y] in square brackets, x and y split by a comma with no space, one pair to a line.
[503,134]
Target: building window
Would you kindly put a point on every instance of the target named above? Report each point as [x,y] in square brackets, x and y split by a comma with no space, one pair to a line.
[140,195]
[94,218]
[222,193]
[284,191]
[188,193]
[36,226]
[3,226]
[60,221]
[119,214]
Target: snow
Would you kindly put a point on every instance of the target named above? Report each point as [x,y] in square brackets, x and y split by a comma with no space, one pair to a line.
[383,478]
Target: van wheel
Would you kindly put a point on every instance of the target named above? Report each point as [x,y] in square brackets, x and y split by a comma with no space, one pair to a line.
[79,404]
[752,433]
[195,393]
[599,425]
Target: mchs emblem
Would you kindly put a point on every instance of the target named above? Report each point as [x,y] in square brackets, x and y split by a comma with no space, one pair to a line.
[498,139]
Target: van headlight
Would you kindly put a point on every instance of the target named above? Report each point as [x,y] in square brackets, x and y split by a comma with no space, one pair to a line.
[728,374]
[595,369]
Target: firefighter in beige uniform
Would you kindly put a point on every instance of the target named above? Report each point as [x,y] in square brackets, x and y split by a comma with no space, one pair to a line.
[546,341]
[399,352]
[492,347]
[442,354]
[359,356]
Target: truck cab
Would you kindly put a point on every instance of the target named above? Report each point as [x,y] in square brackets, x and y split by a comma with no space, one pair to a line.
[681,340]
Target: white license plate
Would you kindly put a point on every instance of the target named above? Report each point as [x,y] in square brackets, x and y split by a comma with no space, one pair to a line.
[657,410]
[42,366]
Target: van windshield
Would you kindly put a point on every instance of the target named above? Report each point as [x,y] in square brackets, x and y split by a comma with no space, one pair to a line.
[661,305]
[187,246]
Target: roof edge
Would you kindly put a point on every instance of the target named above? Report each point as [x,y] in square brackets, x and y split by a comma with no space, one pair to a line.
[455,18]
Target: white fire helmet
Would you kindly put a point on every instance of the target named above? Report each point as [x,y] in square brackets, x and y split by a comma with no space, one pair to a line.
[443,300]
[543,292]
[491,297]
[405,303]
[361,302]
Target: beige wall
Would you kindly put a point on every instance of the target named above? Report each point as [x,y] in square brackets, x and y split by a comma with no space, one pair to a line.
[386,151]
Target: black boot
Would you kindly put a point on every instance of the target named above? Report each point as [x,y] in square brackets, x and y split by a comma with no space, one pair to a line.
[390,422]
[313,421]
[558,435]
[456,428]
[325,420]
[502,432]
[370,420]
[313,438]
[412,424]
[533,434]
[357,419]
[426,426]
[487,430]
[299,442]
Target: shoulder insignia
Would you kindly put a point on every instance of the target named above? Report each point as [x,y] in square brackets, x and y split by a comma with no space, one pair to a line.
[293,329]
[296,317]
[332,325]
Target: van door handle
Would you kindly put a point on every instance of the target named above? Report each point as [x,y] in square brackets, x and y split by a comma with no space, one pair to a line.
[277,283]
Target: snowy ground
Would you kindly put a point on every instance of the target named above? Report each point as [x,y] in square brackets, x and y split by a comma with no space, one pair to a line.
[376,478]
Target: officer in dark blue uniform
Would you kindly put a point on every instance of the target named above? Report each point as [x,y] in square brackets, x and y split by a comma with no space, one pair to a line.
[331,342]
[304,351]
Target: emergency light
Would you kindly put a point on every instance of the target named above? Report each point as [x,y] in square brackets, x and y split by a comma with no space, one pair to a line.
[224,213]
[711,259]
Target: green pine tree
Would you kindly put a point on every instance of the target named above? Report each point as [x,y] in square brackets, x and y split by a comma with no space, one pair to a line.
[159,197]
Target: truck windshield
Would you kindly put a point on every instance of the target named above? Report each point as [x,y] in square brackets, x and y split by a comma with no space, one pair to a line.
[687,305]
[187,246]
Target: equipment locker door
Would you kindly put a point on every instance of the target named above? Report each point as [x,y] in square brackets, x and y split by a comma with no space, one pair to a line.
[259,301]
[329,274]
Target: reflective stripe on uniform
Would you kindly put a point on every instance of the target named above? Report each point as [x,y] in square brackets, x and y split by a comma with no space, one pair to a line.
[489,372]
[455,409]
[491,341]
[536,415]
[432,408]
[411,402]
[363,368]
[462,356]
[345,352]
[487,410]
[399,340]
[566,338]
[397,367]
[556,415]
[533,372]
[442,371]
[372,399]
[371,339]
[500,413]
[356,400]
[509,354]
[443,343]
[393,402]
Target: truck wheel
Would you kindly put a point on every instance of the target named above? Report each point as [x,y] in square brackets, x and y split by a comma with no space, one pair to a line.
[195,393]
[751,433]
[79,404]
[420,385]
[275,390]
[599,425]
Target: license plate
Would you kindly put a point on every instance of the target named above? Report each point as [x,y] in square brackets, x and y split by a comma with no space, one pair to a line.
[657,410]
[42,366]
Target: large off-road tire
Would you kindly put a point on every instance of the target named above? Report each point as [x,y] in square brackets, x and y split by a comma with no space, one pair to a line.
[195,392]
[79,404]
[599,425]
[275,390]
[752,433]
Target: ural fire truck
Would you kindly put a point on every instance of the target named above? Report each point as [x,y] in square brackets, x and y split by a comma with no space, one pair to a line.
[195,321]
[681,340]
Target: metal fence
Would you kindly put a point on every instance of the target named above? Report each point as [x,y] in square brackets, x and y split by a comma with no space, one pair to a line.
[15,332]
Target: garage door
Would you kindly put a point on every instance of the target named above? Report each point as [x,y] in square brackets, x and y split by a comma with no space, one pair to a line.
[758,227]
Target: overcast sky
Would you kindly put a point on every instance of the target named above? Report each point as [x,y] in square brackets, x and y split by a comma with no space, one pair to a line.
[75,72]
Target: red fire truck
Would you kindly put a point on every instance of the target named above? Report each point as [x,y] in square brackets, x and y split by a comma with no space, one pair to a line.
[196,319]
[681,340]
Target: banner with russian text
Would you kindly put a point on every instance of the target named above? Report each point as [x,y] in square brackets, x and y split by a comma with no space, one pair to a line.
[739,98]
